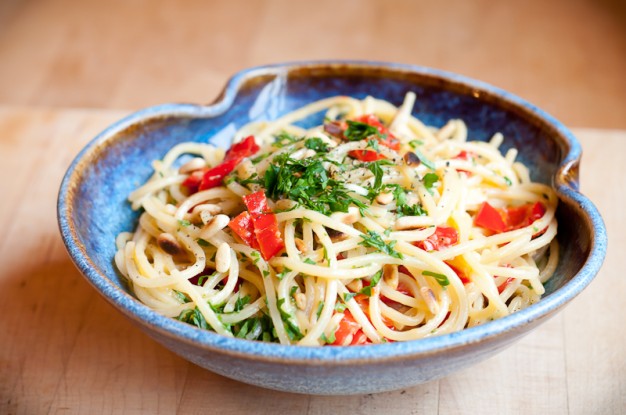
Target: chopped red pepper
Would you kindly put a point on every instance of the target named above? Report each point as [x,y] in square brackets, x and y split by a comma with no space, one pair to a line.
[242,225]
[258,226]
[511,218]
[348,327]
[387,139]
[366,155]
[443,237]
[505,284]
[256,203]
[490,218]
[208,178]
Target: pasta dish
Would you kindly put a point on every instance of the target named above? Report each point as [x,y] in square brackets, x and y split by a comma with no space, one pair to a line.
[370,227]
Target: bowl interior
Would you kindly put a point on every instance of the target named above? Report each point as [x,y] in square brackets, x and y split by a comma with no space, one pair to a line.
[121,161]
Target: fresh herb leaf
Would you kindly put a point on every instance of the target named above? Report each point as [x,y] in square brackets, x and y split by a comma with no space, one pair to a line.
[181,297]
[373,144]
[359,130]
[374,240]
[282,274]
[320,306]
[203,242]
[292,329]
[508,181]
[284,139]
[193,317]
[310,261]
[184,222]
[348,296]
[441,279]
[367,291]
[241,302]
[293,290]
[328,340]
[424,160]
[317,144]
[429,180]
[340,307]
[415,143]
[376,278]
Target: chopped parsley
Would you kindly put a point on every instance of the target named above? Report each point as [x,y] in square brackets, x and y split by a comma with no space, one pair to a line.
[307,182]
[441,279]
[374,240]
[328,340]
[316,144]
[359,130]
[184,222]
[415,143]
[292,329]
[424,160]
[203,242]
[241,303]
[193,317]
[429,180]
[181,296]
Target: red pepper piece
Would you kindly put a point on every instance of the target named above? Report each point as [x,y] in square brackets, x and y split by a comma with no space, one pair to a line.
[242,225]
[443,237]
[490,218]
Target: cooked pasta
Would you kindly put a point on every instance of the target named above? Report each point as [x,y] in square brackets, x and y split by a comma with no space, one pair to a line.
[368,228]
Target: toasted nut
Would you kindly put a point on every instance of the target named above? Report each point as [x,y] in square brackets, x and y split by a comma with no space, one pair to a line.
[300,245]
[194,164]
[169,244]
[284,204]
[384,198]
[217,223]
[355,285]
[390,275]
[411,159]
[409,222]
[352,216]
[300,300]
[429,298]
[222,258]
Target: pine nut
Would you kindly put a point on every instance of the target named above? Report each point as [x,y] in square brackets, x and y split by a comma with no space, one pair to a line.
[355,285]
[352,216]
[384,198]
[222,258]
[194,164]
[390,275]
[217,223]
[169,244]
[300,301]
[411,159]
[284,204]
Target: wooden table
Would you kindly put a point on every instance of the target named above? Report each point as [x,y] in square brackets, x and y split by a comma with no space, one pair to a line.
[63,349]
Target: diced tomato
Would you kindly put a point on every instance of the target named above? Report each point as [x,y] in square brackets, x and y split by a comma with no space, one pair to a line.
[490,218]
[465,155]
[256,203]
[462,276]
[511,218]
[211,177]
[403,289]
[366,155]
[267,234]
[260,231]
[192,182]
[215,175]
[443,237]
[348,327]
[245,148]
[242,225]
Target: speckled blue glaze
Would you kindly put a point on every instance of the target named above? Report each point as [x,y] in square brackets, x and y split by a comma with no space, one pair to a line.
[92,210]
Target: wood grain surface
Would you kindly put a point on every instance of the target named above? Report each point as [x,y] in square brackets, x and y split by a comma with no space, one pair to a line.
[63,349]
[567,56]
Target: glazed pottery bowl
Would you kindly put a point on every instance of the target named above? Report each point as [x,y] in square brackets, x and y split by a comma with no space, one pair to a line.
[93,209]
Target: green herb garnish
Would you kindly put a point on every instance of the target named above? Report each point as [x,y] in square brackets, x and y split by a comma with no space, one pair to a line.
[374,240]
[441,279]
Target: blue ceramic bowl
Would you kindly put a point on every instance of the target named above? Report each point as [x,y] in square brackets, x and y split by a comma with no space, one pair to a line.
[92,210]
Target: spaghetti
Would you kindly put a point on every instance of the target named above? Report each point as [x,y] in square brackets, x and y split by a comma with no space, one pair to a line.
[371,227]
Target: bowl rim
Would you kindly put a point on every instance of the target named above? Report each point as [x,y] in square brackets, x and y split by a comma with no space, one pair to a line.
[565,183]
